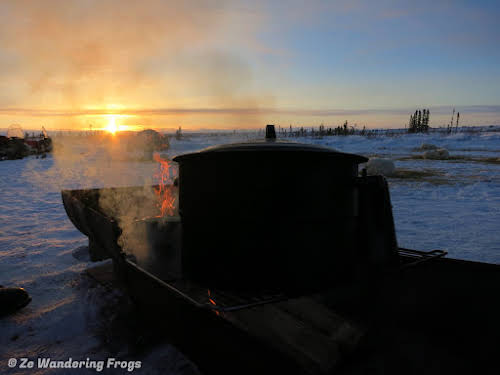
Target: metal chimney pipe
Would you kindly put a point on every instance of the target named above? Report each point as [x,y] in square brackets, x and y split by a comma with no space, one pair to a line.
[270,133]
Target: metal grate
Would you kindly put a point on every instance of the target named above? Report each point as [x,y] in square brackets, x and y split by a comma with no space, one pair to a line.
[418,257]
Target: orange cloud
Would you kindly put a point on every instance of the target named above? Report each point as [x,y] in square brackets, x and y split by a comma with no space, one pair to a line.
[87,54]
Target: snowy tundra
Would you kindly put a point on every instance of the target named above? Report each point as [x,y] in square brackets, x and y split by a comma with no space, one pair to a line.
[451,204]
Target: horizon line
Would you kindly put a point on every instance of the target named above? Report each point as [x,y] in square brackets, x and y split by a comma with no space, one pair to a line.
[442,109]
[207,129]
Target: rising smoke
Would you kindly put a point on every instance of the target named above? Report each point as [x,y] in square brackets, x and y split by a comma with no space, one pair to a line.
[75,56]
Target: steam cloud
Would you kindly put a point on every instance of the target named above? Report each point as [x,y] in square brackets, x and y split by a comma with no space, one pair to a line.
[83,162]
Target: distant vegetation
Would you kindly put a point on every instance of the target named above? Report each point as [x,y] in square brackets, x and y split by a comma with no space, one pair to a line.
[419,121]
[178,133]
[321,131]
[449,128]
[347,130]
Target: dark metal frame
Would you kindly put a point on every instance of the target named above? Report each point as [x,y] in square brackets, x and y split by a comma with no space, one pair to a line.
[419,258]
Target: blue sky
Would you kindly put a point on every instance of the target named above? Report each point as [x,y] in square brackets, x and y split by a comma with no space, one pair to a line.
[440,53]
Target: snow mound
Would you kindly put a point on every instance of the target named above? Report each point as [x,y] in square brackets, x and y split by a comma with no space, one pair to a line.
[427,146]
[439,154]
[376,166]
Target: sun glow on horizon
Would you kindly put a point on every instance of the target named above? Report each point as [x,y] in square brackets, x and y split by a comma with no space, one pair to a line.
[112,127]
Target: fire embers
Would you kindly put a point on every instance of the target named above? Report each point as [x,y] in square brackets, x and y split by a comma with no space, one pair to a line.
[167,198]
[212,301]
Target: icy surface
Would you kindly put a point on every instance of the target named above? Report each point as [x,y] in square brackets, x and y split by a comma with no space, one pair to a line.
[455,206]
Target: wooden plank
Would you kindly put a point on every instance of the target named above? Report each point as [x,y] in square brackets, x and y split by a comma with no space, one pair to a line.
[318,316]
[303,330]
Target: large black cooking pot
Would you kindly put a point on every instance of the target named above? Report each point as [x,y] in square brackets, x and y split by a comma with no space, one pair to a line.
[268,214]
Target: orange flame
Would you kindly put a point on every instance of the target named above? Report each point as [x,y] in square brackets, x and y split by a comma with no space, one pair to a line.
[164,191]
[212,301]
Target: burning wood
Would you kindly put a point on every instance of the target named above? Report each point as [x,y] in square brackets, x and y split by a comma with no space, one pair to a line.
[210,298]
[212,302]
[164,192]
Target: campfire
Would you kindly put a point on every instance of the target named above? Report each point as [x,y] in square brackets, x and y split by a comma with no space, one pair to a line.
[165,177]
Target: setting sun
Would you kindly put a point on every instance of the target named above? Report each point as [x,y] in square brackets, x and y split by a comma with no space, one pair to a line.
[112,127]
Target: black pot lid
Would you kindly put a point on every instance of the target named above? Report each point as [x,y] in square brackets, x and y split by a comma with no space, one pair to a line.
[270,147]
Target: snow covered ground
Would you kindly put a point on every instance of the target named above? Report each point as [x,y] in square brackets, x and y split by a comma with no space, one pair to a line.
[438,204]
